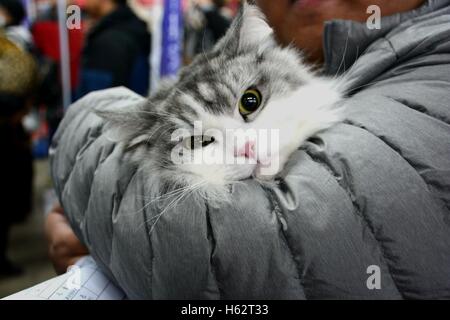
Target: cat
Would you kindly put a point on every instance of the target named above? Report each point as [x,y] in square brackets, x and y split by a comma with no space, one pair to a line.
[247,82]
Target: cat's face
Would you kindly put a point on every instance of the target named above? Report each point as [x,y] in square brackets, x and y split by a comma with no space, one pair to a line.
[226,117]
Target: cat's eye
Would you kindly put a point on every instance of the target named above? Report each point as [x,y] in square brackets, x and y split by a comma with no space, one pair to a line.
[195,142]
[250,102]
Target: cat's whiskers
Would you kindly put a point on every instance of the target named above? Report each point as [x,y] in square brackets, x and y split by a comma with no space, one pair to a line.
[155,131]
[188,190]
[203,49]
[343,58]
[162,197]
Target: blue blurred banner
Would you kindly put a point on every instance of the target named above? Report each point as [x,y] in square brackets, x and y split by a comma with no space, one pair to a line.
[172,38]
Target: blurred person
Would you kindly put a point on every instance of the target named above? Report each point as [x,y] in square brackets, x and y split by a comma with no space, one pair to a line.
[218,18]
[12,14]
[207,22]
[305,22]
[17,81]
[301,22]
[117,49]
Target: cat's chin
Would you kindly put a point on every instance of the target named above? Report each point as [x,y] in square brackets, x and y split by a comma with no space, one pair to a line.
[219,175]
[240,173]
[264,177]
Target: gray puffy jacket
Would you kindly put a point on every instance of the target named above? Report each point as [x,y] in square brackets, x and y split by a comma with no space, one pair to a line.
[368,198]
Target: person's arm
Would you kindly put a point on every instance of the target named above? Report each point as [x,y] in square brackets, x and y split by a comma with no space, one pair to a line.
[64,248]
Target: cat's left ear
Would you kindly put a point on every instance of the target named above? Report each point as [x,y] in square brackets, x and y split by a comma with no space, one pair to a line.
[248,32]
[254,31]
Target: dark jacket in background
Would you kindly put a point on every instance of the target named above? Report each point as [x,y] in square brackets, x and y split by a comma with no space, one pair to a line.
[116,54]
[216,23]
[203,36]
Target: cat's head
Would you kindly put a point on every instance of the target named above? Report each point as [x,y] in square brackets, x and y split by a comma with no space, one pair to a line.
[206,126]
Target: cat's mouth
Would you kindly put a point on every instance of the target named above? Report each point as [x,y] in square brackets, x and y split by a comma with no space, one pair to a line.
[261,170]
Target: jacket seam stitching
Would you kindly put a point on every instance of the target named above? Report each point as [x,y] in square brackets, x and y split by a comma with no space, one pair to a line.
[149,237]
[395,149]
[212,241]
[358,212]
[278,212]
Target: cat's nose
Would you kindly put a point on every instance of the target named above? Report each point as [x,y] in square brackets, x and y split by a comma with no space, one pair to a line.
[247,150]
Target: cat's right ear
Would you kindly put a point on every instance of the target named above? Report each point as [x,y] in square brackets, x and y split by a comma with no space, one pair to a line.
[119,117]
[248,32]
[122,122]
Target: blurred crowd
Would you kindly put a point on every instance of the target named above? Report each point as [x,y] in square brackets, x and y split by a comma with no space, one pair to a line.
[111,47]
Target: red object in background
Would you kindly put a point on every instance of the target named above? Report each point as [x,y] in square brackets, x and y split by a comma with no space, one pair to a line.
[46,39]
[147,3]
[234,5]
[79,3]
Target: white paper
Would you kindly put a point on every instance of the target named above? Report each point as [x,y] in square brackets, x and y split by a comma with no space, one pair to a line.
[83,281]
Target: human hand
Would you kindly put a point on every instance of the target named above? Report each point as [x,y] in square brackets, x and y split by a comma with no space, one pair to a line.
[64,248]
